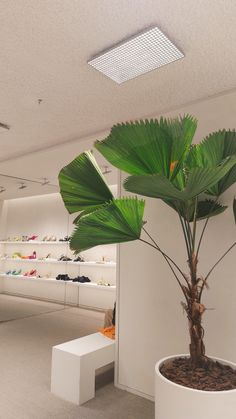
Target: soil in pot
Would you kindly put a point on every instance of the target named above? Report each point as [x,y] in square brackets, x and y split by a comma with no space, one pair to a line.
[213,376]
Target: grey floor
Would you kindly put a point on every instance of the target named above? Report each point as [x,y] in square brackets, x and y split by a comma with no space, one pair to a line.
[28,330]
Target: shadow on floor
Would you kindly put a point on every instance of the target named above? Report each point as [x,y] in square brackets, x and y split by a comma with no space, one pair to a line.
[104,376]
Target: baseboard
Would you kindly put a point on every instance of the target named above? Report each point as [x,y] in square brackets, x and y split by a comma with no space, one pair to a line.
[134,391]
[48,300]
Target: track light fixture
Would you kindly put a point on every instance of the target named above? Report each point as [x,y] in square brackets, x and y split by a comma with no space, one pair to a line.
[22,186]
[106,170]
[2,189]
[4,127]
[45,181]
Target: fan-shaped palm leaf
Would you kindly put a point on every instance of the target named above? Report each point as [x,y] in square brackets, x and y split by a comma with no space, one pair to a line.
[211,152]
[82,184]
[119,221]
[149,147]
[198,181]
[205,209]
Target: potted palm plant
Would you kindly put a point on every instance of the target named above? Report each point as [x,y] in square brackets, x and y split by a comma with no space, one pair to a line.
[190,178]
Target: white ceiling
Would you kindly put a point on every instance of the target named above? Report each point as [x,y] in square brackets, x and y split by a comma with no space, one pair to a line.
[45,44]
[215,113]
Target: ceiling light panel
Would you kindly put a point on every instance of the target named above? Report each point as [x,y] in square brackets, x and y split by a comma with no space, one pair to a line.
[138,55]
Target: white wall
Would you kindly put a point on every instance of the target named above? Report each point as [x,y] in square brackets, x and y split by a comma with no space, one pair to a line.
[151,320]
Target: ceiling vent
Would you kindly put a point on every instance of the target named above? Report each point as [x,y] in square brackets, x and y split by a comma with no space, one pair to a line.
[138,55]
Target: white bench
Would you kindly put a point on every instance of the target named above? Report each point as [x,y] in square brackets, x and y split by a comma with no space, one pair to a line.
[74,364]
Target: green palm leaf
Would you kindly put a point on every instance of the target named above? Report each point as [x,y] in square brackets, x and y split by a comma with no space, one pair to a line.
[211,152]
[149,147]
[208,208]
[154,186]
[82,184]
[202,179]
[198,181]
[119,221]
[205,209]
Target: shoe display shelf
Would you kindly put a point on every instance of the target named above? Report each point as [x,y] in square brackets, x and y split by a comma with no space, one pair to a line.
[89,295]
[16,242]
[61,262]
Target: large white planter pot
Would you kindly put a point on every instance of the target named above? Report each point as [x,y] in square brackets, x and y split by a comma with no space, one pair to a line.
[173,401]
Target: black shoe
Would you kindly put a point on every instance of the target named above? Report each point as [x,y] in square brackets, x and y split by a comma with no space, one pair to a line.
[63,277]
[84,279]
[66,239]
[64,258]
[78,259]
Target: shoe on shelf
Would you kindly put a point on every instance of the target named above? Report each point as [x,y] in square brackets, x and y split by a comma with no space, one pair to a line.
[24,238]
[84,279]
[66,239]
[17,272]
[17,255]
[33,272]
[33,256]
[104,283]
[8,273]
[64,258]
[32,238]
[63,277]
[51,239]
[17,238]
[79,259]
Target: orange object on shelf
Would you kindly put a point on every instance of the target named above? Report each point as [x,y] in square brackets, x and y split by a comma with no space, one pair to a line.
[109,332]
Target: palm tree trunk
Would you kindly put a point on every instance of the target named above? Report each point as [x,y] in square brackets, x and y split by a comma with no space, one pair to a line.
[195,312]
[196,331]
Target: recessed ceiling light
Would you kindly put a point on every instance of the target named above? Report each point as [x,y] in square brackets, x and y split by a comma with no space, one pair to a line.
[4,127]
[138,55]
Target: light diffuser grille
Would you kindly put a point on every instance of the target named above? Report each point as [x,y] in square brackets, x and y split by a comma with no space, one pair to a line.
[143,53]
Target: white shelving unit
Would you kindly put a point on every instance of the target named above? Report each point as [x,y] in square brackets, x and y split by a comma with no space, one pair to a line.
[32,242]
[43,216]
[61,262]
[89,294]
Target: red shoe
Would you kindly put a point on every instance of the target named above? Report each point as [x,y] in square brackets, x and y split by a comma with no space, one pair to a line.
[32,238]
[33,256]
[33,272]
